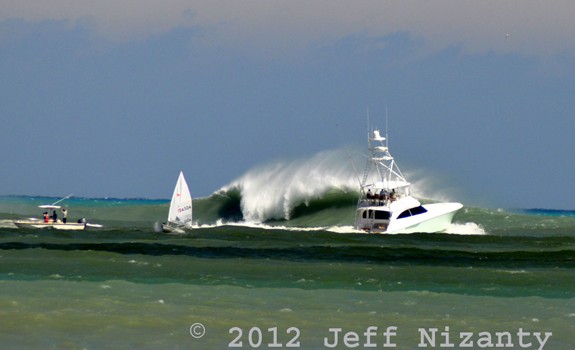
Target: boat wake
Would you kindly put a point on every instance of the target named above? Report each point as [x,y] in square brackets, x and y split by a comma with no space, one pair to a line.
[7,224]
[468,228]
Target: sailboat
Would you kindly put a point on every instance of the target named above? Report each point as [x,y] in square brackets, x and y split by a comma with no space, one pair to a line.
[180,214]
[386,204]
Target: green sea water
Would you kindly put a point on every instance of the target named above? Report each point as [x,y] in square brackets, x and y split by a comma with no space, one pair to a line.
[284,282]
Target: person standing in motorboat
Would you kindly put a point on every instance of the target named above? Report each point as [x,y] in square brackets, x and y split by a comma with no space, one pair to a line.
[64,215]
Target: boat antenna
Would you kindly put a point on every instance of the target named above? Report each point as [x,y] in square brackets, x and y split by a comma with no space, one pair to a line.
[58,201]
[386,133]
[368,120]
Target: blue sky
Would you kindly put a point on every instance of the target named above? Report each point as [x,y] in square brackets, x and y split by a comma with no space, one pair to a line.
[110,99]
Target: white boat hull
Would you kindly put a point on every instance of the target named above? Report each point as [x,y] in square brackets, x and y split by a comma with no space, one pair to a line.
[36,224]
[172,229]
[52,222]
[437,218]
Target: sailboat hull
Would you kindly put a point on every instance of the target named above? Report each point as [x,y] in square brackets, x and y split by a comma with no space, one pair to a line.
[166,228]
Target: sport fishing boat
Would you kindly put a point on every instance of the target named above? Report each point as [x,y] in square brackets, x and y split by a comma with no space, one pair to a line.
[386,204]
[180,213]
[51,221]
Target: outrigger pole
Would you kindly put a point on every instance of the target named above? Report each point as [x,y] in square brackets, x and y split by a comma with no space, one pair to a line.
[58,201]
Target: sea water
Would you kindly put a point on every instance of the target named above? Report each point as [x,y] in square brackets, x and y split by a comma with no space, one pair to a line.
[302,279]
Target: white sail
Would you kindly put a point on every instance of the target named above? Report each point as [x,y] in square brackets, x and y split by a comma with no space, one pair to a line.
[181,206]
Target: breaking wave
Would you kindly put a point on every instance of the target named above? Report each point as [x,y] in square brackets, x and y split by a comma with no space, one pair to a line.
[286,190]
[278,191]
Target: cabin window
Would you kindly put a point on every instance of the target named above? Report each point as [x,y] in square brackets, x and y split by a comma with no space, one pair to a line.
[418,210]
[405,214]
[412,211]
[376,214]
[382,215]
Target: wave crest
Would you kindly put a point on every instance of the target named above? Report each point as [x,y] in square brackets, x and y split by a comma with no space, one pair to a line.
[273,191]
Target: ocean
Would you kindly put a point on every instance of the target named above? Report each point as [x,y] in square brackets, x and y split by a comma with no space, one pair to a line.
[290,274]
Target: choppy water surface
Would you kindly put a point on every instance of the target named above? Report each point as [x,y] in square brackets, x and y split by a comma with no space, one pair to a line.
[281,282]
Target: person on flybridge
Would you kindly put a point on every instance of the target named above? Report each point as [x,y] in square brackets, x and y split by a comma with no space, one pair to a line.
[382,198]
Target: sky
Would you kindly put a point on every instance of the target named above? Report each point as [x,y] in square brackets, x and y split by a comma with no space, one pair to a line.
[113,98]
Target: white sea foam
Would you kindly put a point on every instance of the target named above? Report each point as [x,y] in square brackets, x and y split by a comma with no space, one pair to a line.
[272,191]
[468,228]
[263,226]
[343,229]
[7,224]
[429,186]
